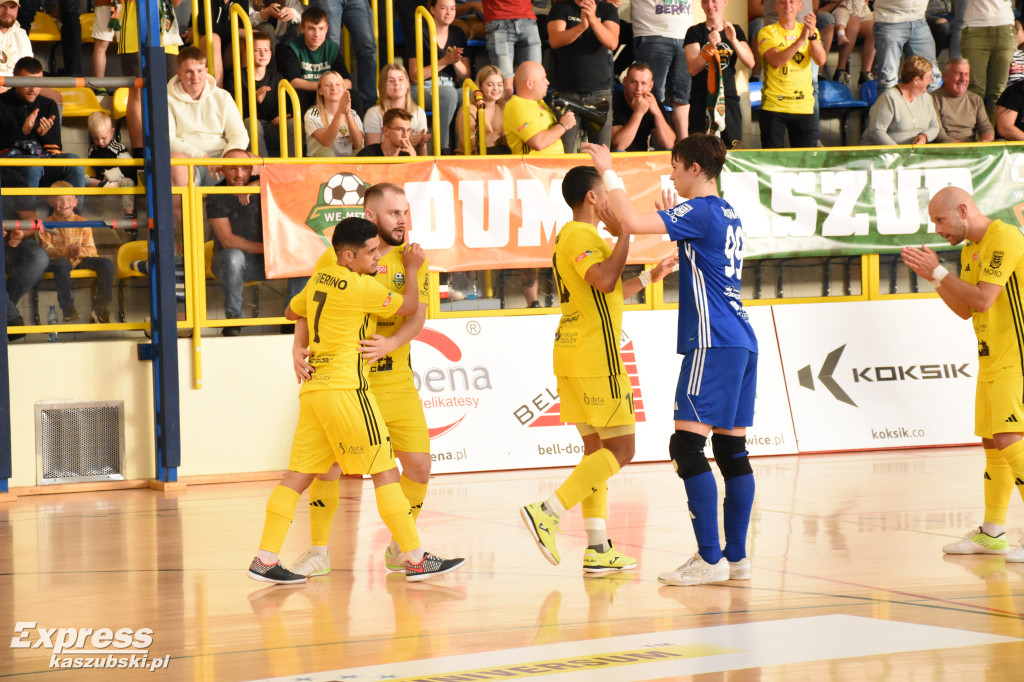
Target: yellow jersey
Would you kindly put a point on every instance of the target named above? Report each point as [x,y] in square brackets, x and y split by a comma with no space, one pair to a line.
[998,259]
[396,368]
[341,308]
[788,89]
[587,340]
[524,118]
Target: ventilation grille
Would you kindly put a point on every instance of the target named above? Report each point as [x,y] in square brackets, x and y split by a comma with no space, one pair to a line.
[79,442]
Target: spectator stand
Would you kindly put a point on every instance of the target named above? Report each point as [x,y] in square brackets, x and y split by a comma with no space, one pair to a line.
[834,98]
[163,349]
[470,90]
[422,14]
[286,92]
[238,14]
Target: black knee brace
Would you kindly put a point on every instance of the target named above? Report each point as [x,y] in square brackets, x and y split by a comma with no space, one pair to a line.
[687,451]
[731,455]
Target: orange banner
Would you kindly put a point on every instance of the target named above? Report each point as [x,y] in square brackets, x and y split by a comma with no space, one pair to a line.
[468,213]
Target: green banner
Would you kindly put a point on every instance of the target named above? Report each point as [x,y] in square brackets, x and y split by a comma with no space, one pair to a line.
[817,202]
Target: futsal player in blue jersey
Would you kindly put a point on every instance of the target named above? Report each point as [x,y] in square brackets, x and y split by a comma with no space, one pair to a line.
[718,378]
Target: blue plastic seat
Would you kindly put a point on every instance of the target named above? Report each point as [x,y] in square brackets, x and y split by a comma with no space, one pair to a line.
[834,94]
[755,95]
[869,92]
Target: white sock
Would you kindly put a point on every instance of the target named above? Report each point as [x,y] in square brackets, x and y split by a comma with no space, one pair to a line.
[266,557]
[554,505]
[319,550]
[597,533]
[992,530]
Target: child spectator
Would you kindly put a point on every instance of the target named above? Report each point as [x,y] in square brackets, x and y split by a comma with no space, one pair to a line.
[492,88]
[74,249]
[332,127]
[105,146]
[853,18]
[395,94]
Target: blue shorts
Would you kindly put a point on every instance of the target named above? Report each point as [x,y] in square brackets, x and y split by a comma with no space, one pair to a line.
[717,387]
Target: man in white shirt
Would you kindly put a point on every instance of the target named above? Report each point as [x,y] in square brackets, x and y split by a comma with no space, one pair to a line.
[900,25]
[14,42]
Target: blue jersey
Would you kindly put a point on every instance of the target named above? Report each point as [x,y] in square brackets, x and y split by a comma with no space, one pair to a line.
[710,238]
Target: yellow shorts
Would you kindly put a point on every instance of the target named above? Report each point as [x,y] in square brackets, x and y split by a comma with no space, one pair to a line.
[998,407]
[343,426]
[599,401]
[403,413]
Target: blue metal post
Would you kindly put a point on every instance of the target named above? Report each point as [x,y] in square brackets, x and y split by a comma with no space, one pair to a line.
[163,307]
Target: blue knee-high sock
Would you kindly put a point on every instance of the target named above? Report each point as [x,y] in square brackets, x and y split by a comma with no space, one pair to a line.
[739,499]
[702,499]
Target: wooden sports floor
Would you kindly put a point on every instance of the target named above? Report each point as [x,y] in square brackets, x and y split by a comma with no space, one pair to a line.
[849,583]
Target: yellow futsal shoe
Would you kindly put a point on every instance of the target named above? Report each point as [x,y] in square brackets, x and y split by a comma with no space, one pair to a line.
[543,527]
[606,562]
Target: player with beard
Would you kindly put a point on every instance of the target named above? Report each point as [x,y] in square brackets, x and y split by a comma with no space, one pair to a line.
[339,422]
[391,380]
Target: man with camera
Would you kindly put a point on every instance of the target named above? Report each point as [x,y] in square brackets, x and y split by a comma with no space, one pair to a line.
[530,125]
[582,35]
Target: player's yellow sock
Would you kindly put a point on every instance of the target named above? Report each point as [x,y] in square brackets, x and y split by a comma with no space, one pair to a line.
[394,510]
[323,502]
[998,486]
[595,516]
[415,493]
[280,512]
[1014,456]
[588,477]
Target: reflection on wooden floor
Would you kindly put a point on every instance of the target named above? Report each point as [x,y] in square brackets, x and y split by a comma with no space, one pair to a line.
[857,535]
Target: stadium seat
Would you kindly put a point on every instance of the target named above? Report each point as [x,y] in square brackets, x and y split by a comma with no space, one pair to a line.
[78,102]
[869,92]
[44,29]
[755,95]
[834,97]
[120,105]
[75,274]
[88,20]
[128,253]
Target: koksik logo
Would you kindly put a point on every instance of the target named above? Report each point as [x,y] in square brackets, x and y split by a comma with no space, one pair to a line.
[449,390]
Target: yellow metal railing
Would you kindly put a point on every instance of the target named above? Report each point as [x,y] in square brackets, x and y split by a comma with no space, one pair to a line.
[208,25]
[285,93]
[238,14]
[196,318]
[435,117]
[469,88]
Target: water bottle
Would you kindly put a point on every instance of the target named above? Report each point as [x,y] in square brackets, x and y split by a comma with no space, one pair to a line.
[51,318]
[471,289]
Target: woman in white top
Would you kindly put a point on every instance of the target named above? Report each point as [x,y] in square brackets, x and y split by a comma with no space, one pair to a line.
[332,127]
[394,90]
[904,114]
[987,42]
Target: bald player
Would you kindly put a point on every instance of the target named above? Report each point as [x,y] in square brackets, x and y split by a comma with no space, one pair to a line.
[987,292]
[530,125]
[390,367]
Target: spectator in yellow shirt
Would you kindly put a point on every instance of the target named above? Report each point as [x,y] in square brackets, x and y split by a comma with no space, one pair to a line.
[530,126]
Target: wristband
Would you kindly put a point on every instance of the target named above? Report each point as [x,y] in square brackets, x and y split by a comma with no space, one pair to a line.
[645,278]
[938,274]
[613,181]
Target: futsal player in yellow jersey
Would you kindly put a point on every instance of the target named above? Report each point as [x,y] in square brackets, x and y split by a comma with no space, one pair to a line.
[594,390]
[988,292]
[391,379]
[338,416]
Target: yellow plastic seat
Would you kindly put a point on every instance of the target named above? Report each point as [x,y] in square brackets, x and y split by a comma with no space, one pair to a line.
[88,20]
[44,29]
[120,105]
[127,253]
[78,102]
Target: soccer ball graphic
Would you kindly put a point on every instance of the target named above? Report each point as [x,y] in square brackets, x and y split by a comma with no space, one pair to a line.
[344,189]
